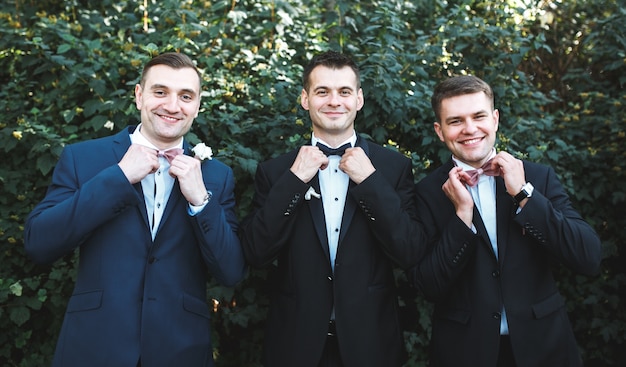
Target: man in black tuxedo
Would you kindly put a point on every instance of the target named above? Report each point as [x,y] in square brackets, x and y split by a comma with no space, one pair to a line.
[494,238]
[334,224]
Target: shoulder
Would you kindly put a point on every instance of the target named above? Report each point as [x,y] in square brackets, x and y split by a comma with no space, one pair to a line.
[436,178]
[381,154]
[280,162]
[538,171]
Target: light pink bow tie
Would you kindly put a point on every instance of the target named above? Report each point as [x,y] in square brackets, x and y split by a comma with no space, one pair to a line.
[485,169]
[170,154]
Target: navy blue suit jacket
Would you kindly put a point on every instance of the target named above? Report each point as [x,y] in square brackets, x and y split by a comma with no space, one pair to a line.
[134,296]
[461,274]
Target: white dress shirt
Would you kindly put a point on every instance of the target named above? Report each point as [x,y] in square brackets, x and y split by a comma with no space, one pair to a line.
[333,188]
[157,186]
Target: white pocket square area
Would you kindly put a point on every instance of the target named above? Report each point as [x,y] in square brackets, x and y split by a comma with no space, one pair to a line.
[311,192]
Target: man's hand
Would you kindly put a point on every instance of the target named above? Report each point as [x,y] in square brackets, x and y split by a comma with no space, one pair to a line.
[309,160]
[187,170]
[356,164]
[458,194]
[512,171]
[138,162]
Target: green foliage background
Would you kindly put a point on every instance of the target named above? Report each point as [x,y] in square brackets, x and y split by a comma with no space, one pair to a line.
[558,68]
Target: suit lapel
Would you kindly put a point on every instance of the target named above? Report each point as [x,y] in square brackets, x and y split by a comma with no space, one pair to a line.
[350,207]
[317,214]
[122,143]
[175,196]
[504,208]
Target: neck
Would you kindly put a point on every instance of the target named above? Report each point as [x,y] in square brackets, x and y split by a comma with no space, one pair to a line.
[333,140]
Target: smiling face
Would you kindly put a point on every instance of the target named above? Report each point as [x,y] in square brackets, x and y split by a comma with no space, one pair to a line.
[169,100]
[468,125]
[332,99]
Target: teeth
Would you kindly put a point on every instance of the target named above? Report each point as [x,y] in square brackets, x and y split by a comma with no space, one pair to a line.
[472,141]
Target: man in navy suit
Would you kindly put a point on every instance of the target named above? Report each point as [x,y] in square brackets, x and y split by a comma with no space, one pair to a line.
[495,237]
[334,223]
[150,226]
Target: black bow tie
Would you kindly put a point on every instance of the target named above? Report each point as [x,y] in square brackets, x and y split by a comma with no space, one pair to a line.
[333,151]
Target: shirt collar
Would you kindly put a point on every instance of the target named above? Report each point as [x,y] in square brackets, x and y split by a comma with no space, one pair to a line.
[138,138]
[351,140]
[467,167]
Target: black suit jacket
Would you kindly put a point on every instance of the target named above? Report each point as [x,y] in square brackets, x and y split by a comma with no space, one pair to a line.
[469,285]
[375,233]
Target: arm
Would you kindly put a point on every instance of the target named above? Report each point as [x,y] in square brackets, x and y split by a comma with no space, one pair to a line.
[72,209]
[392,212]
[446,213]
[549,217]
[275,210]
[216,228]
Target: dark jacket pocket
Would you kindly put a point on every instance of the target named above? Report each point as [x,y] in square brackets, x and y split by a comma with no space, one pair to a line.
[460,316]
[549,305]
[85,301]
[196,306]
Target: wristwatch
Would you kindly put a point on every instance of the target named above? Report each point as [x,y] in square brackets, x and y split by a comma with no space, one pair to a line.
[526,192]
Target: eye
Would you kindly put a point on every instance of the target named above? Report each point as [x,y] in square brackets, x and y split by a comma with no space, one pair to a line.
[346,92]
[321,92]
[159,93]
[187,97]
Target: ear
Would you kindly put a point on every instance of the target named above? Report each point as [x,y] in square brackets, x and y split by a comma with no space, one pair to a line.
[138,95]
[304,99]
[360,100]
[437,127]
[496,118]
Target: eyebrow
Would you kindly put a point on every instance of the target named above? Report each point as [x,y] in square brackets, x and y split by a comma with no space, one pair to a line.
[340,88]
[184,90]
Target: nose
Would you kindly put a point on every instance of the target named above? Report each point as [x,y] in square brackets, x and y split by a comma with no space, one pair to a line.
[171,104]
[469,126]
[334,99]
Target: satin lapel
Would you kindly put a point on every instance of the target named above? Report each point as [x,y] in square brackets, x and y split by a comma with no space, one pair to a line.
[350,207]
[480,227]
[317,215]
[504,211]
[122,143]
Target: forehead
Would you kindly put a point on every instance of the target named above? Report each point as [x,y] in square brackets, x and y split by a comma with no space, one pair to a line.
[323,76]
[465,104]
[165,76]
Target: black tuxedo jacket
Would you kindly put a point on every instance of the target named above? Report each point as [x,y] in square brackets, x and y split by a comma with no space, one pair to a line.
[289,231]
[469,285]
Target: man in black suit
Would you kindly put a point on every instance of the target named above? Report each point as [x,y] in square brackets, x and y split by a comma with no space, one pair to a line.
[334,224]
[493,244]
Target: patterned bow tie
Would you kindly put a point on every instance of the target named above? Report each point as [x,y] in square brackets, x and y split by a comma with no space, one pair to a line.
[485,169]
[333,151]
[170,154]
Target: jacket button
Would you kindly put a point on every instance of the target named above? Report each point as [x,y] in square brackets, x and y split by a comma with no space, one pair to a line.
[330,278]
[496,273]
[496,315]
[151,260]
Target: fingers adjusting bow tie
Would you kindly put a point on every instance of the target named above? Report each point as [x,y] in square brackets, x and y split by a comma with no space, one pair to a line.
[485,169]
[170,154]
[333,151]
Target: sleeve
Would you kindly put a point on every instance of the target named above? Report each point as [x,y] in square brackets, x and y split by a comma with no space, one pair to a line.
[276,206]
[72,209]
[216,226]
[550,219]
[391,208]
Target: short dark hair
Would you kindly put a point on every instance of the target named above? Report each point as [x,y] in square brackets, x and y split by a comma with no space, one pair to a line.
[175,60]
[458,86]
[332,60]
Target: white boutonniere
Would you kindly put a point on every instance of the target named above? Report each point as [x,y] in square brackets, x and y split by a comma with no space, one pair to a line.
[311,192]
[202,152]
